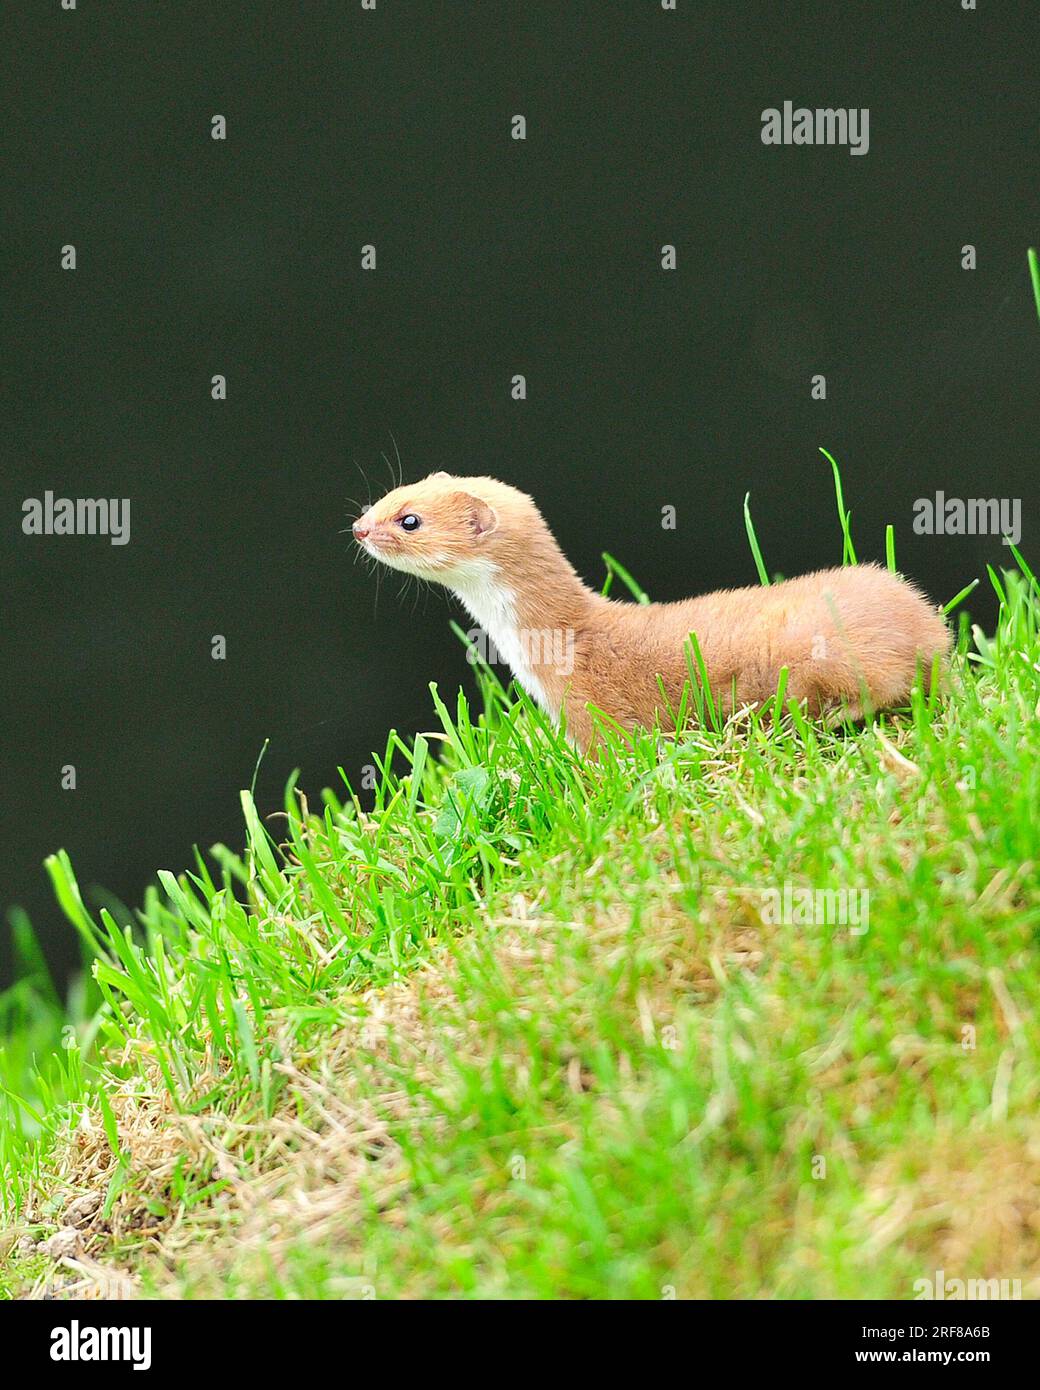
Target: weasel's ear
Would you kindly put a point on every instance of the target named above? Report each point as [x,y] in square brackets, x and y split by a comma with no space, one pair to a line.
[440,475]
[482,518]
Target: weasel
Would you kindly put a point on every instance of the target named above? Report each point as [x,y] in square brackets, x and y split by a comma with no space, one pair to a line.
[852,639]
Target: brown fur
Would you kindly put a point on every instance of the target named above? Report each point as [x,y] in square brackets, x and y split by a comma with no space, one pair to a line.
[851,638]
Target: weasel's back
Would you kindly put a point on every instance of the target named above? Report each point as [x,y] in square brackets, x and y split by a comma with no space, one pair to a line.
[854,636]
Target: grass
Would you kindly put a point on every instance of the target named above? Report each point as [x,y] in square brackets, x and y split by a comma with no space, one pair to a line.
[525,1027]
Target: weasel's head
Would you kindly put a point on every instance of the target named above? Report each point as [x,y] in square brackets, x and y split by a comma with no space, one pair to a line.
[446,529]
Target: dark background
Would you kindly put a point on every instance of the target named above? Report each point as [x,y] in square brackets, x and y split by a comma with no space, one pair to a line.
[645,388]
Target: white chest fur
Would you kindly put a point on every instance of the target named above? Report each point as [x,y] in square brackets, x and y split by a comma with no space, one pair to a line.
[493,605]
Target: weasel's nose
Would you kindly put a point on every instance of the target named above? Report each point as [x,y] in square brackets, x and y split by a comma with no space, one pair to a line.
[361,529]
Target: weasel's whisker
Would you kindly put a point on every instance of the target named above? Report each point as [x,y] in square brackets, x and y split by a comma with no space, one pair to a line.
[400,465]
[393,476]
[364,479]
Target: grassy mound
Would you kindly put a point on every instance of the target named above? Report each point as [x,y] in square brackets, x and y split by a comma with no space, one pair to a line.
[537,1026]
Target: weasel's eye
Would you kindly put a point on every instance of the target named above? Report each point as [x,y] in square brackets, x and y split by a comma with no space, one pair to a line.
[410,522]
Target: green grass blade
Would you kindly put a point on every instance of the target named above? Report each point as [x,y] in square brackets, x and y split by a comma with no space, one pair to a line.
[959,598]
[630,584]
[749,526]
[848,556]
